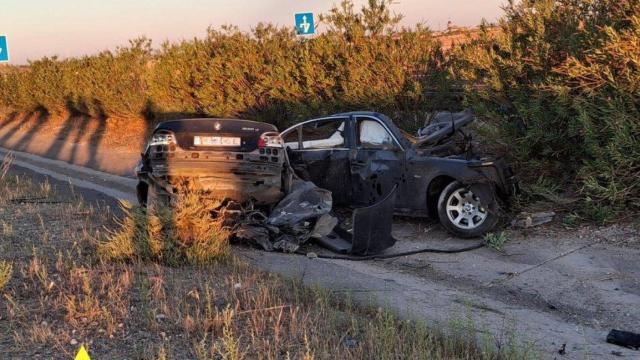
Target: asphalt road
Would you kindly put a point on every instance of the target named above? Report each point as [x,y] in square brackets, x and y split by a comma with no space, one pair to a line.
[547,289]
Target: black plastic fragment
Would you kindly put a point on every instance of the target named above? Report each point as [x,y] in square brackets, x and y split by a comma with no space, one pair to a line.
[624,338]
[371,232]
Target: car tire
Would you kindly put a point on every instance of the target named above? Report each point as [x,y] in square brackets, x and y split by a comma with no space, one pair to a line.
[462,213]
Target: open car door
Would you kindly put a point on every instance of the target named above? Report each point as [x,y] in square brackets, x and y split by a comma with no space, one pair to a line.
[377,163]
[319,152]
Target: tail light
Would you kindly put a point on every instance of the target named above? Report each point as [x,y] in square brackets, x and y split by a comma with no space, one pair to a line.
[162,138]
[270,139]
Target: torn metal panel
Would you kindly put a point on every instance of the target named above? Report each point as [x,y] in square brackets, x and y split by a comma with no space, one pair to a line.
[305,201]
[371,230]
[442,125]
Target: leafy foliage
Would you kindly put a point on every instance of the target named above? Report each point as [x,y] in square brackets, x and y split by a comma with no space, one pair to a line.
[560,85]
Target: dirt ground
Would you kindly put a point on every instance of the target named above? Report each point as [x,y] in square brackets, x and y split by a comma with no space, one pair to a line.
[588,276]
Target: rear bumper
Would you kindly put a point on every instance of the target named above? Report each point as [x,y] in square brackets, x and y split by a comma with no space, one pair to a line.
[238,180]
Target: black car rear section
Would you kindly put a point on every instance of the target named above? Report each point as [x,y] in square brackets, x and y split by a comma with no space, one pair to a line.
[228,158]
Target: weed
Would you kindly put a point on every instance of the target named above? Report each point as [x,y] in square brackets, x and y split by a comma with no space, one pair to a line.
[172,235]
[7,160]
[45,188]
[229,341]
[6,270]
[598,212]
[496,240]
[571,220]
[7,230]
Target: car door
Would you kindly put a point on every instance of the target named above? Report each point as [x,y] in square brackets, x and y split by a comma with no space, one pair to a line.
[319,152]
[377,162]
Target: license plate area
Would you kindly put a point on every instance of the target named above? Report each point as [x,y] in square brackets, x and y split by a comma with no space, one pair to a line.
[227,141]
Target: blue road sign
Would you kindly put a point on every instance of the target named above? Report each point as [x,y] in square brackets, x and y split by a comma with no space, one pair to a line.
[4,50]
[304,24]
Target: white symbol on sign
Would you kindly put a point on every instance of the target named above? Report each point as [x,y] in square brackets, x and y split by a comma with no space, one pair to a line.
[304,25]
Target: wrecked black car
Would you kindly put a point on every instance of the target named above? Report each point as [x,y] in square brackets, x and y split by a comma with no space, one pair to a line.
[234,159]
[361,156]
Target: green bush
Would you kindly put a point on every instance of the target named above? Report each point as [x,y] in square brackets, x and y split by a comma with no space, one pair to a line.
[559,85]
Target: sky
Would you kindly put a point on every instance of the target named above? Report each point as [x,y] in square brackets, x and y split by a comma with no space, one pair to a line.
[37,28]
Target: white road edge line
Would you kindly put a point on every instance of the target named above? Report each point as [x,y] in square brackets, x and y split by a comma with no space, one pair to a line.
[76,182]
[76,168]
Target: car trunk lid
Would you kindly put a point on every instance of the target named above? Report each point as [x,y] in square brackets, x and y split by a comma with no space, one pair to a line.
[216,134]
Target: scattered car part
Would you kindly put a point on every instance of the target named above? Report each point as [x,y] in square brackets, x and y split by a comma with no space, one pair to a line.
[324,226]
[301,214]
[624,338]
[526,220]
[304,202]
[444,124]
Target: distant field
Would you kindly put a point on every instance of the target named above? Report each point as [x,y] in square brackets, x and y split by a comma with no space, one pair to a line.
[459,36]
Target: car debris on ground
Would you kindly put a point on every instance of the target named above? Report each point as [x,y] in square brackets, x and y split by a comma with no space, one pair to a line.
[526,220]
[624,338]
[301,214]
[304,214]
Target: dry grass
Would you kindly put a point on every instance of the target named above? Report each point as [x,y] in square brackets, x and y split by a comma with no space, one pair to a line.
[5,165]
[183,233]
[62,294]
[6,269]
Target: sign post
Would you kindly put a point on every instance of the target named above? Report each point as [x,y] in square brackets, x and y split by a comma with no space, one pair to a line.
[304,24]
[4,50]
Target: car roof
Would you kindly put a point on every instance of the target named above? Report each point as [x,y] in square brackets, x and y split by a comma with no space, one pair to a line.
[212,119]
[361,113]
[380,116]
[375,114]
[186,124]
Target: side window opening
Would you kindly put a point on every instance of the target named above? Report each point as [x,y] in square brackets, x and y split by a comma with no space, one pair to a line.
[323,134]
[291,139]
[372,135]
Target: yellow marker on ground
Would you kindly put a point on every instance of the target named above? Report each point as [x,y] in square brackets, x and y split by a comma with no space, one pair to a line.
[82,354]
